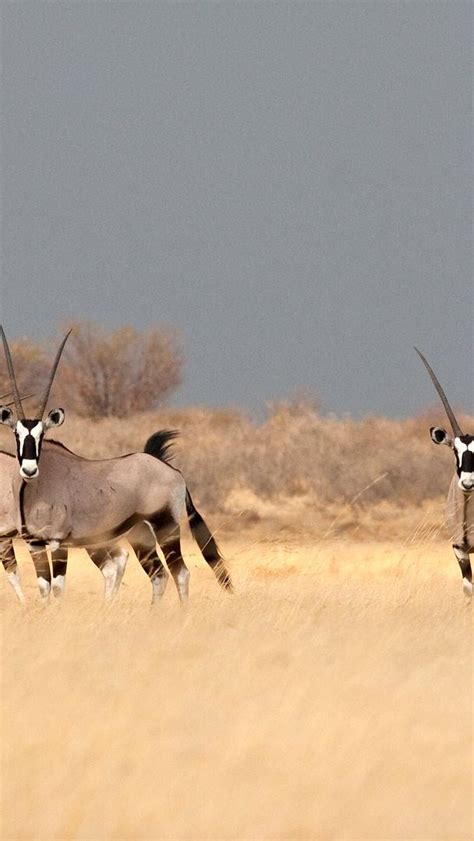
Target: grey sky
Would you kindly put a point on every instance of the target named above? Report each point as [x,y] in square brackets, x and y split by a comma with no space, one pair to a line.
[286,183]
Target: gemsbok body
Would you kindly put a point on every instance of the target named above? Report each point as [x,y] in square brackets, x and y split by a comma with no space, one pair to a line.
[110,560]
[460,504]
[64,499]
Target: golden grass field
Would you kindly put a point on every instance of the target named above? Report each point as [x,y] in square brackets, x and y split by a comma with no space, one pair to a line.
[329,698]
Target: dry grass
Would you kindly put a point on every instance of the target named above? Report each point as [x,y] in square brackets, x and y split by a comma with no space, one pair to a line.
[330,698]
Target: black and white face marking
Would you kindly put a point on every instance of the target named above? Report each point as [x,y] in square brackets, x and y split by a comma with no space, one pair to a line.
[463,447]
[29,436]
[464,451]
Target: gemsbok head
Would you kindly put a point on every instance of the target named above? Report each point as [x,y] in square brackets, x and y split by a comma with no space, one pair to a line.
[460,507]
[29,432]
[461,445]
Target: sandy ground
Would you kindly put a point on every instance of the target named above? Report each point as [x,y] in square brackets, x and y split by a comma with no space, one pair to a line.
[329,698]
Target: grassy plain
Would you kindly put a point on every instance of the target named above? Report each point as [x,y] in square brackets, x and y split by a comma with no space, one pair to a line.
[329,698]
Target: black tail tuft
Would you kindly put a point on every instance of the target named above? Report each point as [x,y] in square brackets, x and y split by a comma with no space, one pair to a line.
[160,443]
[207,544]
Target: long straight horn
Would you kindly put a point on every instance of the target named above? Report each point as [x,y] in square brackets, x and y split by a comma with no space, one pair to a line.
[53,374]
[11,373]
[455,426]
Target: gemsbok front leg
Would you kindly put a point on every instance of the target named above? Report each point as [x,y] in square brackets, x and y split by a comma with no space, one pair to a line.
[59,566]
[11,568]
[42,569]
[462,555]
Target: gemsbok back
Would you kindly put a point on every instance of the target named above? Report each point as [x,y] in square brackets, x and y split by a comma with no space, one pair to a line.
[62,498]
[460,508]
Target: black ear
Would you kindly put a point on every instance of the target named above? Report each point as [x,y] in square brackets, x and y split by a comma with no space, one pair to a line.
[55,418]
[440,436]
[6,416]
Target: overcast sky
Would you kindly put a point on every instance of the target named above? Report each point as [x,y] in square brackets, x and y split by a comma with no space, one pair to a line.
[286,183]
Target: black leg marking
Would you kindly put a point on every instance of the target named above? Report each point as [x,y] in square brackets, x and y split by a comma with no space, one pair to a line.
[43,571]
[59,565]
[8,557]
[462,554]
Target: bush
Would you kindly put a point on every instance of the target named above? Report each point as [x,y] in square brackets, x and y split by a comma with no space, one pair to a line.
[102,373]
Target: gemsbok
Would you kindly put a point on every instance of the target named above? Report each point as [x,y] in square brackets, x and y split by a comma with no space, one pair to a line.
[7,519]
[77,502]
[110,562]
[460,508]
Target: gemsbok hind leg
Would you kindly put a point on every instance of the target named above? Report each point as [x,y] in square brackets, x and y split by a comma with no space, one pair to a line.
[112,563]
[462,555]
[11,568]
[143,542]
[168,538]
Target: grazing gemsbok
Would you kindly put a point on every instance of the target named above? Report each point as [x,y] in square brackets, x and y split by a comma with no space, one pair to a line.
[460,510]
[74,501]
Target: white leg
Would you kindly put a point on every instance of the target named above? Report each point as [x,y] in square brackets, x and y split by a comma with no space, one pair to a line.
[120,556]
[59,566]
[159,582]
[464,562]
[11,568]
[178,569]
[109,571]
[44,588]
[59,586]
[182,584]
[14,579]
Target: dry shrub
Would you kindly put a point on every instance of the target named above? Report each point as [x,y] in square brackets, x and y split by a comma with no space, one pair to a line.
[31,363]
[118,372]
[103,373]
[297,461]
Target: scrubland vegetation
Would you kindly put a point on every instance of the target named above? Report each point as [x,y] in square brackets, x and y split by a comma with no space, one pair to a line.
[295,471]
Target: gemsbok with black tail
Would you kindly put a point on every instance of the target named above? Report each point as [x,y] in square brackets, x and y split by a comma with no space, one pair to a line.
[64,499]
[460,509]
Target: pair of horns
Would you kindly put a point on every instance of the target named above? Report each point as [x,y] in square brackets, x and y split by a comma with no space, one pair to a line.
[11,372]
[452,418]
